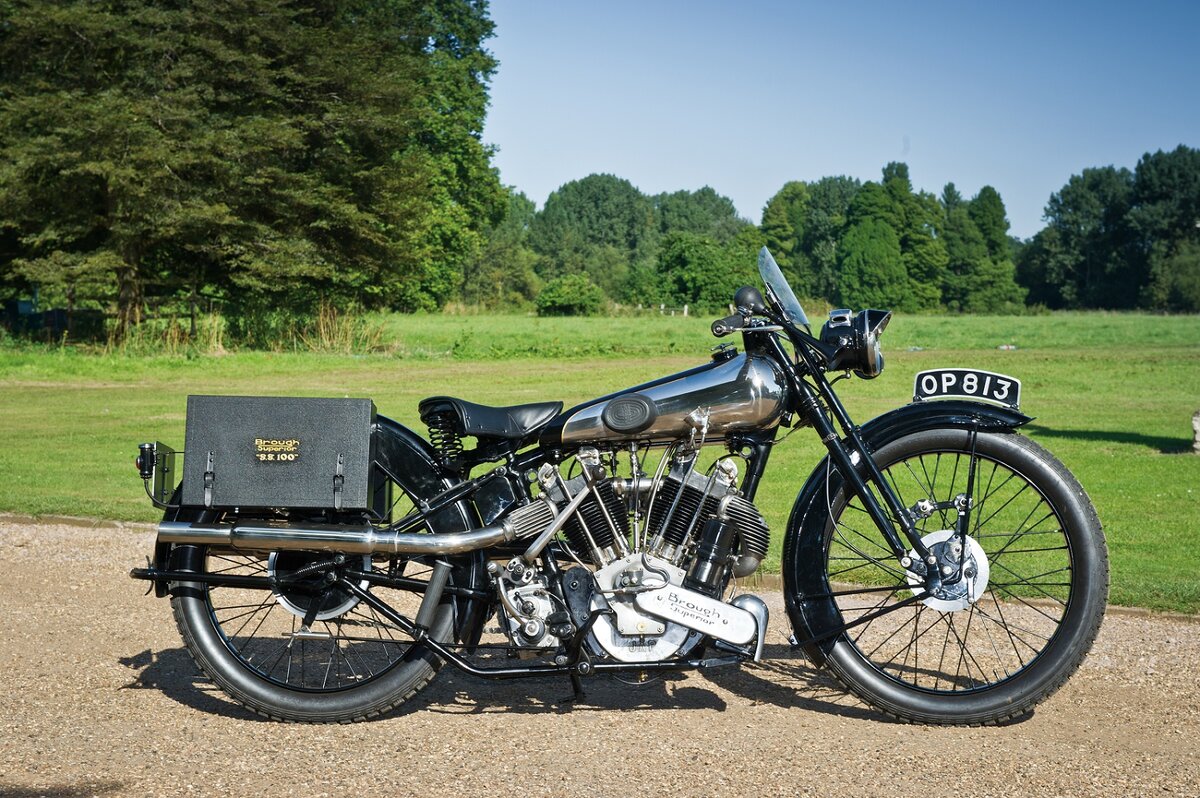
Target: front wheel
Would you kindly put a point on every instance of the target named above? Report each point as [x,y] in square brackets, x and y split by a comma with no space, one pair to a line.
[1016,617]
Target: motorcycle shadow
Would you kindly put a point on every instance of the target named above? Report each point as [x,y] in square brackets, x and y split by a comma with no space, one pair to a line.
[784,679]
[173,673]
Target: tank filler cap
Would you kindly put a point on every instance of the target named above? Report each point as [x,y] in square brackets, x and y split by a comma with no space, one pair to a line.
[723,352]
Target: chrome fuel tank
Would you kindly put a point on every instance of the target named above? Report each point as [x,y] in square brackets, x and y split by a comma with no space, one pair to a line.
[741,393]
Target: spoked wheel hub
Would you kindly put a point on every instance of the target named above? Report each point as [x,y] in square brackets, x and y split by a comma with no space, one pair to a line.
[964,574]
[312,585]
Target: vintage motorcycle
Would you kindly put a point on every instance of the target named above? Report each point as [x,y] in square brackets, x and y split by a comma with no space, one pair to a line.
[323,562]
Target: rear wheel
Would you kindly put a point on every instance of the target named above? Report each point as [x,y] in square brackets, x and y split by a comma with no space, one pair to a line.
[310,651]
[1013,623]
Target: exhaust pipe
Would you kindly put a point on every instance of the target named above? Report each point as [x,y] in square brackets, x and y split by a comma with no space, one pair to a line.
[363,539]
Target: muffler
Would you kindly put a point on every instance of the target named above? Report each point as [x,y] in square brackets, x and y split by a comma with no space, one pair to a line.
[364,539]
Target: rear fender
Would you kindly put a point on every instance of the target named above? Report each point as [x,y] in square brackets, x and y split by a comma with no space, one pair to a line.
[803,540]
[409,458]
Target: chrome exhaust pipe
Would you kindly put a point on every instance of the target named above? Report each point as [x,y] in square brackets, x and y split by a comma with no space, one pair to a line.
[363,539]
[327,537]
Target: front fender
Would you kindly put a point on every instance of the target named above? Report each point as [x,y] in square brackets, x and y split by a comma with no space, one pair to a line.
[803,541]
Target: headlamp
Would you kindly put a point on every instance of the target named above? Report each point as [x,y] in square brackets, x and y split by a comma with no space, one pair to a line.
[854,338]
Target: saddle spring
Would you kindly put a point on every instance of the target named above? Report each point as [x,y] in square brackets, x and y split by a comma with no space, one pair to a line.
[444,437]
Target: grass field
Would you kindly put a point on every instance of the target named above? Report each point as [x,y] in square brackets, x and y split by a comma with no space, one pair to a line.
[1113,396]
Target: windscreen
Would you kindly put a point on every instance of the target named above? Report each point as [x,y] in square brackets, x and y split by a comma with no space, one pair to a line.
[774,279]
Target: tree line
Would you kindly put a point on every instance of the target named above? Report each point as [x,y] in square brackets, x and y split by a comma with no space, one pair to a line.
[1114,239]
[275,157]
[1121,239]
[876,243]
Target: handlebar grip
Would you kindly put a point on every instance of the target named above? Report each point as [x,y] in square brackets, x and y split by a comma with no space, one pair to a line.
[723,327]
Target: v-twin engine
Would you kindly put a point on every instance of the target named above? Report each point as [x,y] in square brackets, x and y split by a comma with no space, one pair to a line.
[669,513]
[655,555]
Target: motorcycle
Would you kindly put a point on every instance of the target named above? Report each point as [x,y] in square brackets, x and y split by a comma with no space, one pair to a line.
[323,562]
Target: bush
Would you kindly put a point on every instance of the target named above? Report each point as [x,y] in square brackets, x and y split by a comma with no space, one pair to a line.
[571,295]
[256,322]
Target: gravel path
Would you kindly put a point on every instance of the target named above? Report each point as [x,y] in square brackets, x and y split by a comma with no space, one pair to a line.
[98,697]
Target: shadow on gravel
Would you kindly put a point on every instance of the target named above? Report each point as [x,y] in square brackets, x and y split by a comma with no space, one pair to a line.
[173,673]
[784,679]
[61,790]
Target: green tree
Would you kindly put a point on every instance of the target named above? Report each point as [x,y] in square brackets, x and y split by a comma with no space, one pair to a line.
[783,220]
[988,213]
[924,253]
[871,267]
[1040,266]
[916,219]
[873,202]
[601,226]
[1120,239]
[980,275]
[951,198]
[913,219]
[1089,258]
[967,255]
[829,201]
[1164,221]
[994,289]
[277,153]
[698,271]
[502,275]
[1174,276]
[703,211]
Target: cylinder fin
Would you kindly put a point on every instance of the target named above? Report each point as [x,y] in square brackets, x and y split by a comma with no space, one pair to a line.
[597,524]
[754,537]
[685,517]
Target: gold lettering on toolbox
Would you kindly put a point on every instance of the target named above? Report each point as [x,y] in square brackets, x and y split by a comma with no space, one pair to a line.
[276,450]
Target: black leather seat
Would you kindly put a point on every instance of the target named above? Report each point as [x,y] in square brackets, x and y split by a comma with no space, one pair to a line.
[507,423]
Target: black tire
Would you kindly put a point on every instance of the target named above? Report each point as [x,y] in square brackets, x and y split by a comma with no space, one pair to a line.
[244,639]
[979,662]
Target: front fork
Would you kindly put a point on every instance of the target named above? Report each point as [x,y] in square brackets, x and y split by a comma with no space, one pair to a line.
[843,455]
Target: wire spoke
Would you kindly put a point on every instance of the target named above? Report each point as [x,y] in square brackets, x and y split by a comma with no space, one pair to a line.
[863,630]
[1011,629]
[1019,534]
[1034,551]
[348,645]
[1033,585]
[249,616]
[873,541]
[871,560]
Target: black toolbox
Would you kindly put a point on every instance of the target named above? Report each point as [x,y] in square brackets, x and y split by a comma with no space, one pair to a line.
[260,452]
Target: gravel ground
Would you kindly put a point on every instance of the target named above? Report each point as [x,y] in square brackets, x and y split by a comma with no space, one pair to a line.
[99,698]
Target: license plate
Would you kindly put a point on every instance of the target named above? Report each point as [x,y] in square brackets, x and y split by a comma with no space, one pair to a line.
[983,386]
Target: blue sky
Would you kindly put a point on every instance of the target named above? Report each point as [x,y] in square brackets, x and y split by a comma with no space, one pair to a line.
[745,96]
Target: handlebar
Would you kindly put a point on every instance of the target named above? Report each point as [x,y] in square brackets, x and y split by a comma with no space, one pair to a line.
[727,325]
